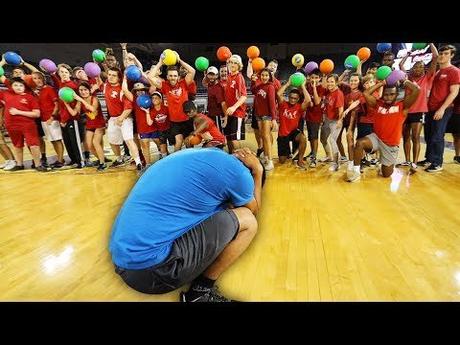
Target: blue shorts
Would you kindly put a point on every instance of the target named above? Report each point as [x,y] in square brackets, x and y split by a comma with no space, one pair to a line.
[150,135]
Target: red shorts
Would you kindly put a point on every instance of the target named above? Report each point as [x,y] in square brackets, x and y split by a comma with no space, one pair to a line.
[30,133]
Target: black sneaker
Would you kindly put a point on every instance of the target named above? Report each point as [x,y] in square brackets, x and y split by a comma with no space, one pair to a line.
[434,168]
[44,162]
[457,159]
[41,168]
[423,163]
[116,164]
[259,151]
[57,165]
[202,294]
[365,162]
[102,167]
[15,168]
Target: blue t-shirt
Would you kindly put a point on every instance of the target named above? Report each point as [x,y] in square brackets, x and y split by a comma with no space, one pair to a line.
[172,196]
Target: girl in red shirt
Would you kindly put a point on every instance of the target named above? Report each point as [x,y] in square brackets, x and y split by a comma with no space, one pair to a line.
[95,124]
[265,111]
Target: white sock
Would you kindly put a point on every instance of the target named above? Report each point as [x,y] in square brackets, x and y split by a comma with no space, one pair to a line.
[137,160]
[356,168]
[350,165]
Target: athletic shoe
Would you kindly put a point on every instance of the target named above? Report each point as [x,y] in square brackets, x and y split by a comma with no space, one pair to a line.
[334,167]
[126,158]
[404,164]
[425,162]
[116,164]
[4,164]
[365,162]
[312,163]
[325,160]
[15,168]
[8,164]
[343,159]
[269,165]
[107,160]
[77,166]
[44,162]
[33,165]
[310,154]
[57,165]
[413,168]
[102,167]
[203,294]
[434,168]
[457,159]
[42,168]
[88,163]
[353,176]
[373,161]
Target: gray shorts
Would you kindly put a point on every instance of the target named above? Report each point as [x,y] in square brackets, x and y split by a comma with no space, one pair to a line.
[388,154]
[191,255]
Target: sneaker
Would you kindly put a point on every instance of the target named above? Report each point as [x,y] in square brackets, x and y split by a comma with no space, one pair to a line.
[343,159]
[269,165]
[295,158]
[457,159]
[42,168]
[107,160]
[9,164]
[310,154]
[334,167]
[116,164]
[374,161]
[57,165]
[126,158]
[33,165]
[88,163]
[4,164]
[325,160]
[312,163]
[77,166]
[365,162]
[425,162]
[259,151]
[353,176]
[102,167]
[413,168]
[434,168]
[202,294]
[44,162]
[404,164]
[15,168]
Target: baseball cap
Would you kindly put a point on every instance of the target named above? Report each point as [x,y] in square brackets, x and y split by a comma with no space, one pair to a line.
[212,69]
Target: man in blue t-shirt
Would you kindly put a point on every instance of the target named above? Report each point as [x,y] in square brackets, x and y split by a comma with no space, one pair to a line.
[187,219]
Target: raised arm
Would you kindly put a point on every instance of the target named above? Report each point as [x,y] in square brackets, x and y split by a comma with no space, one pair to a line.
[282,90]
[124,87]
[190,72]
[368,94]
[74,111]
[154,74]
[434,59]
[32,68]
[249,70]
[306,97]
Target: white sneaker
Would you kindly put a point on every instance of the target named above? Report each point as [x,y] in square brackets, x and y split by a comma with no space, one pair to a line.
[353,176]
[9,164]
[325,159]
[269,165]
[334,167]
[4,164]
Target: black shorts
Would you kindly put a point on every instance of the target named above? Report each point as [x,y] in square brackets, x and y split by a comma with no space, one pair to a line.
[38,122]
[191,255]
[301,124]
[184,128]
[414,117]
[235,129]
[283,143]
[453,126]
[364,129]
[313,130]
[217,119]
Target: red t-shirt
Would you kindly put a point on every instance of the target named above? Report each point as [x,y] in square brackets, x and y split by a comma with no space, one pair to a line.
[264,99]
[115,100]
[24,102]
[94,120]
[367,115]
[1,98]
[141,119]
[212,129]
[47,96]
[425,83]
[63,112]
[215,99]
[160,118]
[276,84]
[334,100]
[388,122]
[175,96]
[191,88]
[234,89]
[443,79]
[352,96]
[315,113]
[289,116]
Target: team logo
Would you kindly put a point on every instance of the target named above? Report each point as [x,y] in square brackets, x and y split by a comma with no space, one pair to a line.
[161,118]
[262,93]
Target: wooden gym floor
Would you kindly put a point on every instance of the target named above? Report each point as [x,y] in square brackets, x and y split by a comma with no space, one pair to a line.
[320,238]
